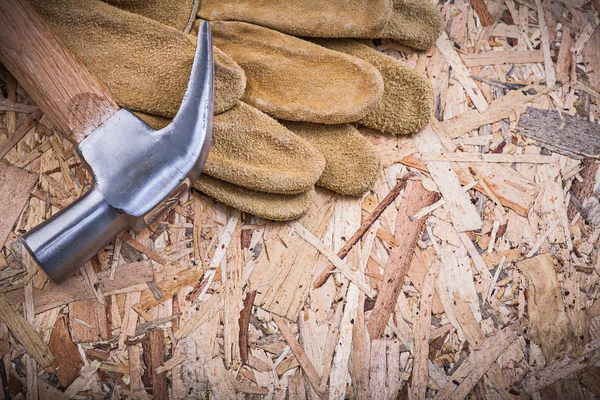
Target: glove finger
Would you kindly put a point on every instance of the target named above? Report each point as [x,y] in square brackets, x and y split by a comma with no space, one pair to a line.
[292,79]
[351,161]
[254,151]
[230,82]
[408,100]
[313,18]
[278,207]
[415,23]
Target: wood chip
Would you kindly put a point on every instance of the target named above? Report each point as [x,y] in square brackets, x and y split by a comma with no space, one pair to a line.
[503,57]
[75,288]
[130,318]
[134,356]
[68,361]
[171,363]
[154,350]
[87,373]
[548,66]
[549,325]
[202,315]
[415,197]
[462,212]
[24,333]
[573,137]
[25,126]
[563,368]
[296,388]
[232,300]
[487,158]
[420,372]
[282,274]
[129,240]
[346,220]
[482,12]
[244,321]
[470,371]
[221,383]
[356,236]
[333,258]
[88,321]
[16,184]
[514,101]
[307,367]
[384,372]
[468,324]
[591,380]
[461,73]
[511,188]
[586,34]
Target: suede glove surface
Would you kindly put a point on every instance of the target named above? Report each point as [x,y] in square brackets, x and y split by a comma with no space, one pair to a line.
[415,23]
[407,102]
[142,51]
[292,79]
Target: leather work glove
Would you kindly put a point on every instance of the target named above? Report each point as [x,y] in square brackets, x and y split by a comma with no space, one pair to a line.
[264,166]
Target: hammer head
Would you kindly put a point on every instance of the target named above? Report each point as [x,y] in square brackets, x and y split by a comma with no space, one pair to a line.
[139,173]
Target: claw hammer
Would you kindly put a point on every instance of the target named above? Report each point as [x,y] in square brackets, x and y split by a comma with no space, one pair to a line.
[138,173]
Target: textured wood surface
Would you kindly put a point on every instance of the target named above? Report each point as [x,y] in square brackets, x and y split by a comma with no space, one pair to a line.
[559,370]
[76,288]
[469,372]
[21,131]
[474,332]
[24,333]
[356,236]
[62,87]
[503,57]
[564,134]
[591,59]
[16,184]
[154,350]
[88,322]
[407,232]
[482,12]
[68,361]
[549,324]
[463,214]
[514,101]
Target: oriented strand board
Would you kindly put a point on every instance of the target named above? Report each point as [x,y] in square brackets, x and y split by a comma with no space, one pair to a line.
[88,322]
[485,328]
[512,189]
[15,184]
[282,274]
[462,212]
[591,59]
[68,361]
[75,288]
[24,333]
[549,324]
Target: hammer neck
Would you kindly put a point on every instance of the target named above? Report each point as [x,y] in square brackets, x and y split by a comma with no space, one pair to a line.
[63,244]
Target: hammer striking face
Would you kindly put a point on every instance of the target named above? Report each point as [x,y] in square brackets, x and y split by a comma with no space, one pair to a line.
[138,174]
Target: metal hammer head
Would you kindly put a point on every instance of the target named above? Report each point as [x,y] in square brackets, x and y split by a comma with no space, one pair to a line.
[138,174]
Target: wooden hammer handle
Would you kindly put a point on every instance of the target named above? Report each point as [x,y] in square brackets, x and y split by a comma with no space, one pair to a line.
[63,88]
